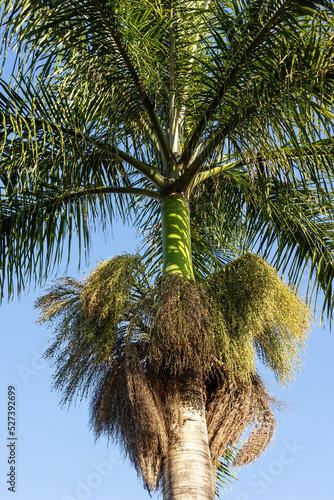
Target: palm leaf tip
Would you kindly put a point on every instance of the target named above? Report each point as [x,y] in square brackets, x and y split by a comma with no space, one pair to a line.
[225,476]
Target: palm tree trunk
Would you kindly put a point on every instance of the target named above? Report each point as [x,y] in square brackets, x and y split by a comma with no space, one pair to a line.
[188,473]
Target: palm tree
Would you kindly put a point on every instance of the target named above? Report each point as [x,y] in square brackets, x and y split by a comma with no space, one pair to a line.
[209,125]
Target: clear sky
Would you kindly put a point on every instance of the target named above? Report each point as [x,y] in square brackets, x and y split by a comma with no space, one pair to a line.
[57,458]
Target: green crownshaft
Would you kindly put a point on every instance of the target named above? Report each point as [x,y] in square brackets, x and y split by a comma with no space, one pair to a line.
[176,239]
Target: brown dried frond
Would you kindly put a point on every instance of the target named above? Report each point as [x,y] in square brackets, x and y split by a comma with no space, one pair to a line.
[234,406]
[127,406]
[180,335]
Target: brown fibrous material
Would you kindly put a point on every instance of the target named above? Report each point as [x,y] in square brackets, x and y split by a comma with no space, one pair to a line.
[137,409]
[130,407]
[234,407]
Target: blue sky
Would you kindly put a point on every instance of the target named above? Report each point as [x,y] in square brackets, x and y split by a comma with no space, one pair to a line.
[57,458]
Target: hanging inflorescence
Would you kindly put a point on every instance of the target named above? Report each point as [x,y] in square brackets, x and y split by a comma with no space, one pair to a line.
[125,343]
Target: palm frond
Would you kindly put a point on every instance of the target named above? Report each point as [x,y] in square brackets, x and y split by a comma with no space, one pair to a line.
[92,92]
[288,73]
[225,476]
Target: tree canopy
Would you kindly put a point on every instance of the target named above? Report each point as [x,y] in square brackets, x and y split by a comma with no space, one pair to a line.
[208,125]
[113,104]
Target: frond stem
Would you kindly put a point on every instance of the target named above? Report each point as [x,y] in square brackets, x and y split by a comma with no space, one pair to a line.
[150,172]
[166,152]
[79,194]
[193,139]
[216,171]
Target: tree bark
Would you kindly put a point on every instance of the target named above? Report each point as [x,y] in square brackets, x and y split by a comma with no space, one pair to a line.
[188,473]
